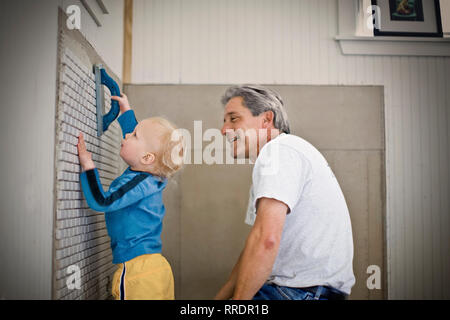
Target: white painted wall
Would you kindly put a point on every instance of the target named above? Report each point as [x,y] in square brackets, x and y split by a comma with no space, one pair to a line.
[28,37]
[107,40]
[445,10]
[292,42]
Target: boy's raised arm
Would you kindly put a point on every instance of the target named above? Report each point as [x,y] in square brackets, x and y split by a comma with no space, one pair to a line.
[129,192]
[84,156]
[127,119]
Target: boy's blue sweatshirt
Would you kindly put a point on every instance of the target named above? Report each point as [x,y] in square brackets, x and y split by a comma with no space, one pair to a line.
[133,206]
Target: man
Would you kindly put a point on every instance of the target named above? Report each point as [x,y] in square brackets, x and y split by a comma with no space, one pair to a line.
[300,246]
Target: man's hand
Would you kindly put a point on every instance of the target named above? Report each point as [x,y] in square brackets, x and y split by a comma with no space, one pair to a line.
[84,156]
[123,102]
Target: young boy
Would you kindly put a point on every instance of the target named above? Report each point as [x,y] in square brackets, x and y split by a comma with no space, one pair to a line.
[133,204]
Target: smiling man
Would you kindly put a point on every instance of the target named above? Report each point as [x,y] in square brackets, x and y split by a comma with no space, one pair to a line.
[300,246]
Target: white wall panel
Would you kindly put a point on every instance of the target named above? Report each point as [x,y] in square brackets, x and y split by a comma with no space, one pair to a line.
[107,39]
[291,42]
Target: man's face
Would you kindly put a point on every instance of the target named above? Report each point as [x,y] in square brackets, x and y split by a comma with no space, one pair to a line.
[241,128]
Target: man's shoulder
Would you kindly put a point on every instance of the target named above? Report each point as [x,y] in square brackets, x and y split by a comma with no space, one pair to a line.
[289,143]
[286,152]
[292,141]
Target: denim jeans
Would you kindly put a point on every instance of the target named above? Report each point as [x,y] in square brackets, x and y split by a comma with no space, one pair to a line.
[275,292]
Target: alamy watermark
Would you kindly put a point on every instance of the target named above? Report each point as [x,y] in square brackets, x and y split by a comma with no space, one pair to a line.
[374,19]
[374,280]
[73,281]
[74,17]
[235,147]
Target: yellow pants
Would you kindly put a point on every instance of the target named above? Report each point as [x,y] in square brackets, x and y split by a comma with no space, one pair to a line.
[146,277]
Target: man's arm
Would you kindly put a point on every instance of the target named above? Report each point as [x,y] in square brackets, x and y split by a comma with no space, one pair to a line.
[261,248]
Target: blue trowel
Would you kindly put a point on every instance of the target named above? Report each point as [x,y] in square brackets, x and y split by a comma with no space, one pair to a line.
[102,78]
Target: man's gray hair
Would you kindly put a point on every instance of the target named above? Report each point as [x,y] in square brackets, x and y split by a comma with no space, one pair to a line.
[258,100]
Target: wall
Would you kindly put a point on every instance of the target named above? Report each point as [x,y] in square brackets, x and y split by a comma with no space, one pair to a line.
[27,130]
[445,9]
[81,238]
[107,40]
[292,42]
[28,57]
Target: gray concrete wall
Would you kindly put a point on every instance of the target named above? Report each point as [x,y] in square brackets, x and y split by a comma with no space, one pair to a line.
[204,231]
[28,35]
[28,60]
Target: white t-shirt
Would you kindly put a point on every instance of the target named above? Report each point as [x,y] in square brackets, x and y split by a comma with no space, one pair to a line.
[316,245]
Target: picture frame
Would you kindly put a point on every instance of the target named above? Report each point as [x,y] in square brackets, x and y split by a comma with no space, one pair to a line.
[408,18]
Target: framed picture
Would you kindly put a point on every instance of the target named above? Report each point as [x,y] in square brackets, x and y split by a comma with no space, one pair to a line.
[414,18]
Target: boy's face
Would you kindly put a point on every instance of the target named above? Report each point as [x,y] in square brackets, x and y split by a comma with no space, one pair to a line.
[139,144]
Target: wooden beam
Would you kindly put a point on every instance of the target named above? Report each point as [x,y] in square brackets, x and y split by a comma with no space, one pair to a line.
[127,40]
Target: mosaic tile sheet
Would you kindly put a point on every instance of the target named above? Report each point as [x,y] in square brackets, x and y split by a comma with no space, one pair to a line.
[80,237]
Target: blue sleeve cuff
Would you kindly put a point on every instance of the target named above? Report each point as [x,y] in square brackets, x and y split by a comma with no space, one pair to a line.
[127,121]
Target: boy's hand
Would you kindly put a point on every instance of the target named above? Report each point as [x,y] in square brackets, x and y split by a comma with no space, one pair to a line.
[123,102]
[84,156]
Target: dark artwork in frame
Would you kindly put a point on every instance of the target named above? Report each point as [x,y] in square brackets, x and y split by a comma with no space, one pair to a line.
[409,10]
[409,18]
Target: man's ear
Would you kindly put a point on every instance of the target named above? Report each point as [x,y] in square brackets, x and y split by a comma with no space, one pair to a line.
[268,118]
[148,158]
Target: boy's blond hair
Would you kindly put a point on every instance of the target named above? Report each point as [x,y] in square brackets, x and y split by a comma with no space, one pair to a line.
[169,157]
